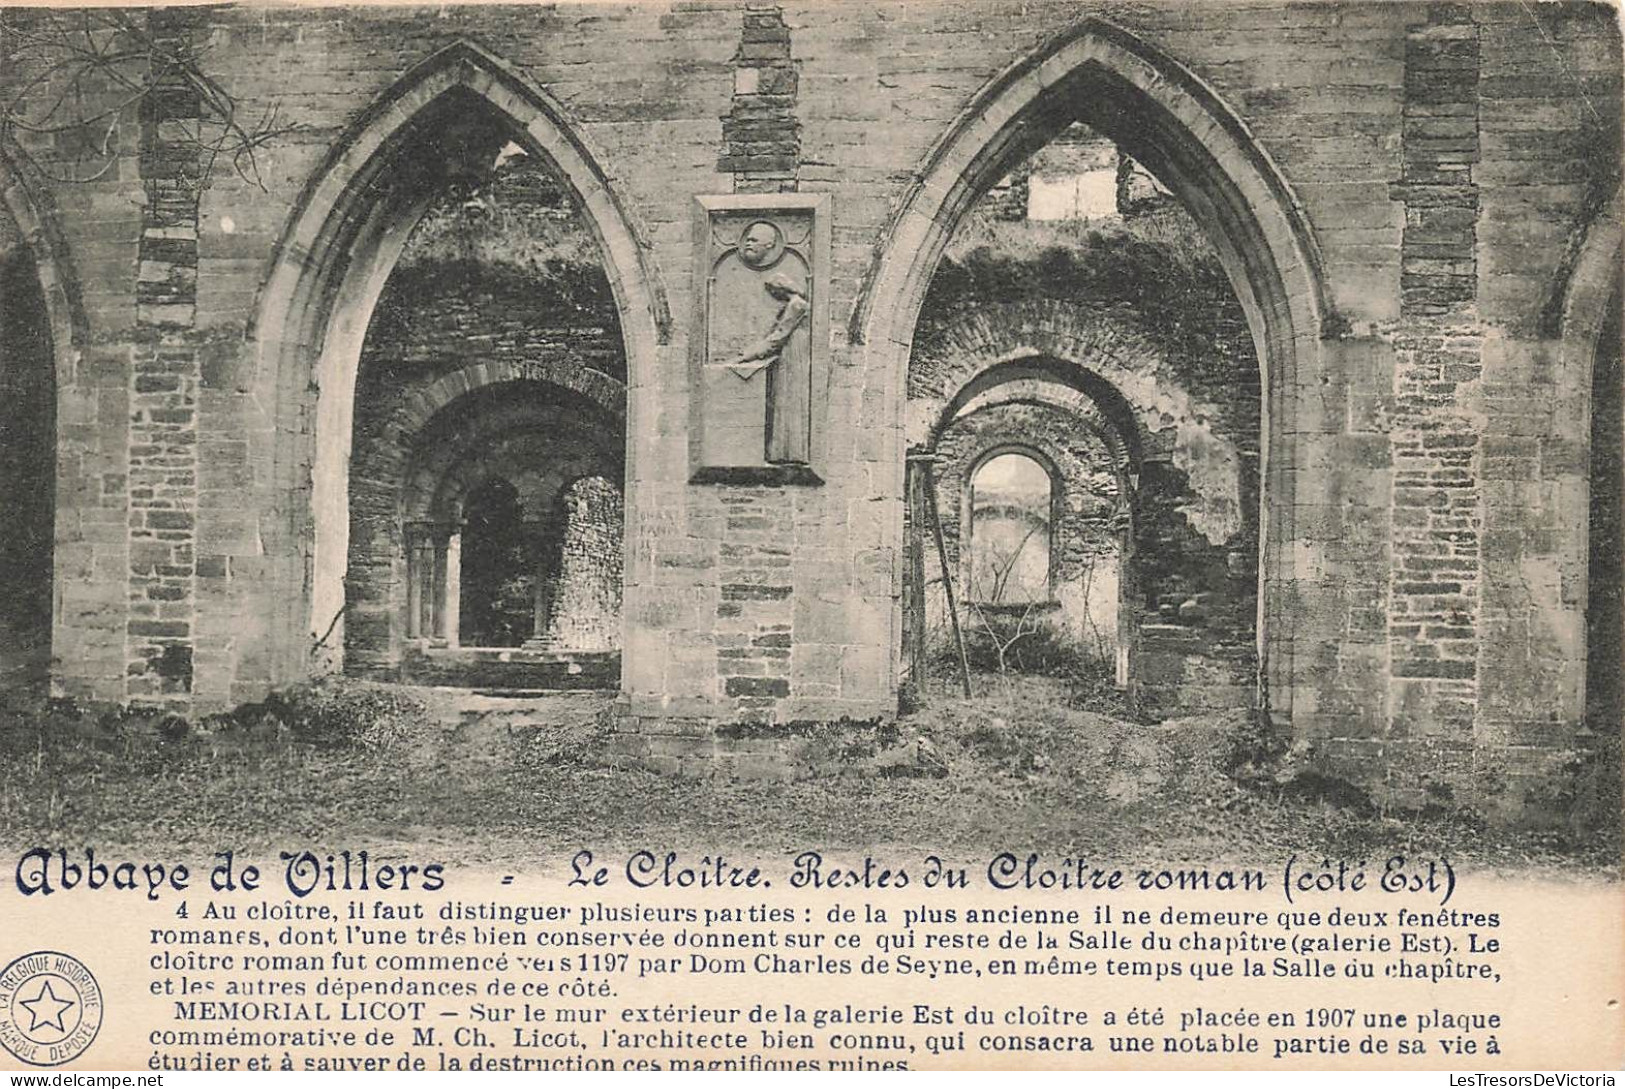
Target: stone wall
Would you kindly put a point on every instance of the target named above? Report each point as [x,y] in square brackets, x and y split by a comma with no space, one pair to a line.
[587,610]
[1345,158]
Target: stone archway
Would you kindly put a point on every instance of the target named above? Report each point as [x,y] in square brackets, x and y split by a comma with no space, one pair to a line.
[1127,453]
[1186,629]
[37,231]
[331,265]
[409,526]
[602,390]
[1588,316]
[41,328]
[1168,120]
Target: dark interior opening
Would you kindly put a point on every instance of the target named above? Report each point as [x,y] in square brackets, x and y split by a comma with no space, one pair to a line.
[27,472]
[1605,609]
[501,568]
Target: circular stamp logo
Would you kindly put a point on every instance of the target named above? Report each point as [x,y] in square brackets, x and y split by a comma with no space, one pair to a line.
[50,1008]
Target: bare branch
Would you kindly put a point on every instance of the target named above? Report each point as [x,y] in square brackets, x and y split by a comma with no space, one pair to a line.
[75,62]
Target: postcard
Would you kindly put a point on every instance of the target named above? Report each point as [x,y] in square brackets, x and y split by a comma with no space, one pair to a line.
[767,536]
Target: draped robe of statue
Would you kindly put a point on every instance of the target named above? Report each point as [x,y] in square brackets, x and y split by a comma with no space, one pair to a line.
[763,322]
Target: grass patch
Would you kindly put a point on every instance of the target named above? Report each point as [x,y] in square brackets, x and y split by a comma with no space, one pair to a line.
[1029,769]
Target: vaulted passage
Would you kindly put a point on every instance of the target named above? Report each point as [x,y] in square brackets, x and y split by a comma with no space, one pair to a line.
[1081,322]
[1036,528]
[488,456]
[27,466]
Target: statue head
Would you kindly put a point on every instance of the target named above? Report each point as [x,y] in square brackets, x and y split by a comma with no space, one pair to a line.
[782,287]
[761,245]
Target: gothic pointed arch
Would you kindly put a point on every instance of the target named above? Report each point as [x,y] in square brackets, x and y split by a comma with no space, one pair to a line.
[1158,112]
[41,334]
[27,205]
[1587,307]
[342,241]
[1582,302]
[1161,114]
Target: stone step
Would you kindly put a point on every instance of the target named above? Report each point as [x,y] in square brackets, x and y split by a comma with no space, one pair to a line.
[511,670]
[482,726]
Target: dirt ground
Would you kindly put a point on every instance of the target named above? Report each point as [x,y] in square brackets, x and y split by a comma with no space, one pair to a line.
[1021,768]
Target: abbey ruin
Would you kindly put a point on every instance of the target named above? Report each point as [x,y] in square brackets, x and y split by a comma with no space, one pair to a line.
[722,354]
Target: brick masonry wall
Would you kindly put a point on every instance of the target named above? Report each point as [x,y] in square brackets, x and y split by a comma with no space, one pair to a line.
[761,137]
[1323,90]
[165,379]
[1433,606]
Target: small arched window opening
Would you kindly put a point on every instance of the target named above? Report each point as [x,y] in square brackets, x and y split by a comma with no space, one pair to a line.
[1011,501]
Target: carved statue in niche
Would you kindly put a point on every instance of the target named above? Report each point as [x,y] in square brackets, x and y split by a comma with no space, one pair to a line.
[758,372]
[784,347]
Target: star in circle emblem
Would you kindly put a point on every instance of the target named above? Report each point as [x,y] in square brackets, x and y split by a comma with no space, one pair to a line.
[50,1008]
[47,1009]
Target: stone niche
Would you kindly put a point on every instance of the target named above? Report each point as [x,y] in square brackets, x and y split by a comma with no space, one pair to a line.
[759,356]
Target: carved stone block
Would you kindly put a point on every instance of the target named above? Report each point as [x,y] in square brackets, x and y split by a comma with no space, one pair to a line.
[759,354]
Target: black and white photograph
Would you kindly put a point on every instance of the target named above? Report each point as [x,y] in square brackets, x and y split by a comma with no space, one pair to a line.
[846,493]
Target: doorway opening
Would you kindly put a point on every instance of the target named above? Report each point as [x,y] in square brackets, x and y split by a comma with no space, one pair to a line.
[1081,321]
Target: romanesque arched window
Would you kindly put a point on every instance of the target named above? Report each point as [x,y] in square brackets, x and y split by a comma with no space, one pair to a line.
[1011,496]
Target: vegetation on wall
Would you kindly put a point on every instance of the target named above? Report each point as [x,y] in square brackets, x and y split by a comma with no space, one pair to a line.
[510,258]
[1156,271]
[92,74]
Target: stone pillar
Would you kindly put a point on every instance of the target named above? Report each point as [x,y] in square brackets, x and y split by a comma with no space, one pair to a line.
[1436,521]
[414,593]
[420,581]
[162,466]
[436,590]
[914,614]
[538,624]
[761,136]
